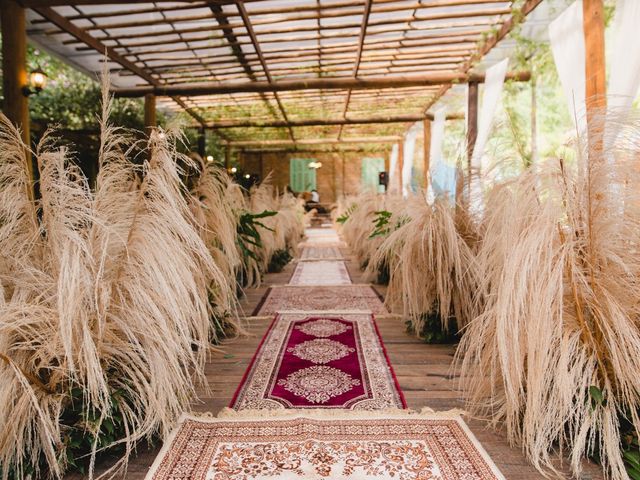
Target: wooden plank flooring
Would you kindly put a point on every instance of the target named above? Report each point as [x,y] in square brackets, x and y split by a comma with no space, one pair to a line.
[424,372]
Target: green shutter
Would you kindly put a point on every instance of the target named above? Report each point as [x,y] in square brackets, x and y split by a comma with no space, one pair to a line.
[301,177]
[371,167]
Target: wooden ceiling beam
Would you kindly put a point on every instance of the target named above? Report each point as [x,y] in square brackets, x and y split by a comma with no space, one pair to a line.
[327,122]
[363,83]
[306,28]
[315,141]
[265,68]
[109,52]
[515,19]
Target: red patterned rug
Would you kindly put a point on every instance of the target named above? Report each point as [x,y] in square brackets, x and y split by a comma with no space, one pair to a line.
[320,298]
[315,360]
[308,445]
[321,272]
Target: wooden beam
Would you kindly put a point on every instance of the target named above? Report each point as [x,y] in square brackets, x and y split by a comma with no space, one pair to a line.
[327,122]
[426,138]
[14,66]
[149,113]
[516,19]
[405,81]
[265,68]
[14,73]
[64,24]
[595,71]
[313,141]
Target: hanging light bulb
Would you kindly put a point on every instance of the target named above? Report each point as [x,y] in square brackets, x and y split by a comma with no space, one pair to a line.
[209,158]
[37,81]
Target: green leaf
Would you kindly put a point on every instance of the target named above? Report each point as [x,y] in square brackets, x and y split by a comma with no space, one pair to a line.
[597,395]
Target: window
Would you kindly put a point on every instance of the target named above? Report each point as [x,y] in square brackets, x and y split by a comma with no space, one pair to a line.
[301,177]
[371,167]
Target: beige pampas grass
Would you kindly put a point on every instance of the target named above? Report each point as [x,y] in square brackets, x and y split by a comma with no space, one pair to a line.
[554,355]
[107,292]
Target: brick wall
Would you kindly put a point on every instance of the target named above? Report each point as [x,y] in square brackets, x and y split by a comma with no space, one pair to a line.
[340,172]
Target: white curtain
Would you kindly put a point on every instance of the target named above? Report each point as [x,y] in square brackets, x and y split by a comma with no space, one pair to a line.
[494,81]
[442,179]
[393,166]
[624,79]
[407,158]
[566,34]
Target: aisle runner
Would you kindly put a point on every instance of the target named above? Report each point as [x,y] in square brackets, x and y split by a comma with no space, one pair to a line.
[308,445]
[320,273]
[311,360]
[321,253]
[347,297]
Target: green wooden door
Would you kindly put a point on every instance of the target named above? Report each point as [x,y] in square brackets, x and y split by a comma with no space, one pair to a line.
[301,177]
[371,167]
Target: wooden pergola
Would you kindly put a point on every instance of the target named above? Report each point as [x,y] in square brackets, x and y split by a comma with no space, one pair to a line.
[295,72]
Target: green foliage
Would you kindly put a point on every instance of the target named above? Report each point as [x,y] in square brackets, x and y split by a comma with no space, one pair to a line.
[381,224]
[345,216]
[248,233]
[279,260]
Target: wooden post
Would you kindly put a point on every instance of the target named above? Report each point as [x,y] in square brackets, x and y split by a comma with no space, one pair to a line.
[426,124]
[472,125]
[400,164]
[14,70]
[227,157]
[149,113]
[202,143]
[595,74]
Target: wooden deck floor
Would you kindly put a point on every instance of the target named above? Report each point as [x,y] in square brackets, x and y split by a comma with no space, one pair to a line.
[424,373]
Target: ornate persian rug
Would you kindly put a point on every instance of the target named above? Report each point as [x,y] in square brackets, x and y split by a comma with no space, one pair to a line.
[320,273]
[316,360]
[321,253]
[347,297]
[311,445]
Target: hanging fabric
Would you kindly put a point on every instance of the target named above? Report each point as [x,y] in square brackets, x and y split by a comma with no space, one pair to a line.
[408,154]
[494,81]
[393,167]
[442,176]
[566,34]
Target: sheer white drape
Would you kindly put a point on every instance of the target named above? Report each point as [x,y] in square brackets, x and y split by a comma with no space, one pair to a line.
[494,81]
[393,167]
[567,45]
[442,179]
[624,78]
[407,158]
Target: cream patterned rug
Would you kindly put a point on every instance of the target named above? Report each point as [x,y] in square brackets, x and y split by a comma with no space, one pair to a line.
[346,297]
[311,445]
[320,273]
[321,253]
[320,360]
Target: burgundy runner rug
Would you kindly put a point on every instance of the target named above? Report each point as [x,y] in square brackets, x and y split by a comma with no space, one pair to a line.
[313,360]
[301,298]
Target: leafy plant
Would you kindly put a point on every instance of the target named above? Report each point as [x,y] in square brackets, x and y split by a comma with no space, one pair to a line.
[279,259]
[345,216]
[248,233]
[381,224]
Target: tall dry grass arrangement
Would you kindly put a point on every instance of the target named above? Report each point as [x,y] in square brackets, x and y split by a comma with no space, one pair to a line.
[431,267]
[217,220]
[554,356]
[107,291]
[357,229]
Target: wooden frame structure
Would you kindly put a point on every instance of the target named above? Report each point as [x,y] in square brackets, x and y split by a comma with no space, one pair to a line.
[308,69]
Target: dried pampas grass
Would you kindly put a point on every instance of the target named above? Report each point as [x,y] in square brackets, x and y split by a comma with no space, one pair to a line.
[554,355]
[106,292]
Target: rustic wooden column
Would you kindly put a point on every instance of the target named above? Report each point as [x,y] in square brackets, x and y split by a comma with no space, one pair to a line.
[202,142]
[426,124]
[150,121]
[227,157]
[472,126]
[400,164]
[14,70]
[595,73]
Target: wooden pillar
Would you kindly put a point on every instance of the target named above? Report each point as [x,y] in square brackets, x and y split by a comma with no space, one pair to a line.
[400,164]
[472,125]
[202,142]
[595,73]
[426,124]
[227,157]
[14,70]
[150,121]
